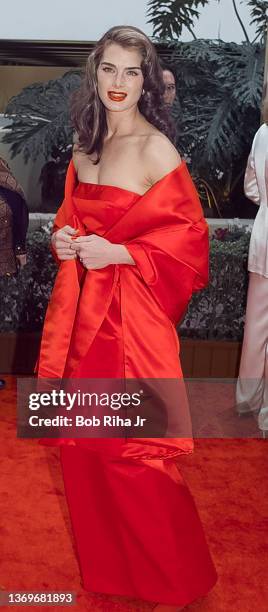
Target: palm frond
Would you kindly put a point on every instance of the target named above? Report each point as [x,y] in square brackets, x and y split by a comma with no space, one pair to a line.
[258,14]
[220,89]
[169,17]
[245,68]
[40,117]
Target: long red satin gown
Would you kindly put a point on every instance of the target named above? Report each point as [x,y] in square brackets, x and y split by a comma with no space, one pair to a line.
[135,523]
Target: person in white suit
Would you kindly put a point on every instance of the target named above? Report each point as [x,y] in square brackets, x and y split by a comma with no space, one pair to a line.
[252,383]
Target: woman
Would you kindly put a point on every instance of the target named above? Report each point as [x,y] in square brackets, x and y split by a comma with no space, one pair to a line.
[14,219]
[170,85]
[252,391]
[123,284]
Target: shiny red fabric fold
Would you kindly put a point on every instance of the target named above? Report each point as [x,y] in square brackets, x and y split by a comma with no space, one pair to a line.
[167,236]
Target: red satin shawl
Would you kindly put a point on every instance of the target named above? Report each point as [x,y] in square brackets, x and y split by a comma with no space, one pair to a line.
[167,236]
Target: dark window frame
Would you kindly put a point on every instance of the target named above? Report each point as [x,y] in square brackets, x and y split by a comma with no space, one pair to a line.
[54,52]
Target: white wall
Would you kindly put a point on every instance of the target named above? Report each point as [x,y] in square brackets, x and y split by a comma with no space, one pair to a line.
[88,19]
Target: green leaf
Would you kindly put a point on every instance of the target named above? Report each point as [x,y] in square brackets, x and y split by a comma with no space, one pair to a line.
[258,13]
[40,117]
[169,17]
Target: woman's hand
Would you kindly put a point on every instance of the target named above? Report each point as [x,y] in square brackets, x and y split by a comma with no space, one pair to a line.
[62,242]
[96,252]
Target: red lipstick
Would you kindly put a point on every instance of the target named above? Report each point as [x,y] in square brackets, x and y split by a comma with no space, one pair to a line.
[117,96]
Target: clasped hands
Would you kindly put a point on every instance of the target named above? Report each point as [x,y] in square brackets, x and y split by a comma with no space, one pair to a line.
[93,251]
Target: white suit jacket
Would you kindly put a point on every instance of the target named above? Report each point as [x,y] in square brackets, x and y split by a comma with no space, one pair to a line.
[255,187]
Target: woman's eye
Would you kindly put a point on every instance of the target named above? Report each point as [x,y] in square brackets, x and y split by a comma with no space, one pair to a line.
[110,69]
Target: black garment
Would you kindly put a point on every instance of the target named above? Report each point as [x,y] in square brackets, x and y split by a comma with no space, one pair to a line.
[20,218]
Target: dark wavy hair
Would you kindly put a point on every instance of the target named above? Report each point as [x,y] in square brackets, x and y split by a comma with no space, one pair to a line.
[168,67]
[87,110]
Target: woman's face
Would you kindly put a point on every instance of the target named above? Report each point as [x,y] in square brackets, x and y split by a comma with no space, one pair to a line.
[170,87]
[119,77]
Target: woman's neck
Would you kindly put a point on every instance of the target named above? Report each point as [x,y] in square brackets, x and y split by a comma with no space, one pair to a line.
[124,122]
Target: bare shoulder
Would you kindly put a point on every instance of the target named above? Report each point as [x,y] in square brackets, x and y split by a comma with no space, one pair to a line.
[159,156]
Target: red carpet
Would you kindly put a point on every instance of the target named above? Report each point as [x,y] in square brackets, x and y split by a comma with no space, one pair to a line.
[228,479]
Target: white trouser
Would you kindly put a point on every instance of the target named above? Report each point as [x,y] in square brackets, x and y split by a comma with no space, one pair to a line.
[252,383]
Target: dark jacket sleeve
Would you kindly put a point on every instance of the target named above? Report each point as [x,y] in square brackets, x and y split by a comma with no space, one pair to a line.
[20,219]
